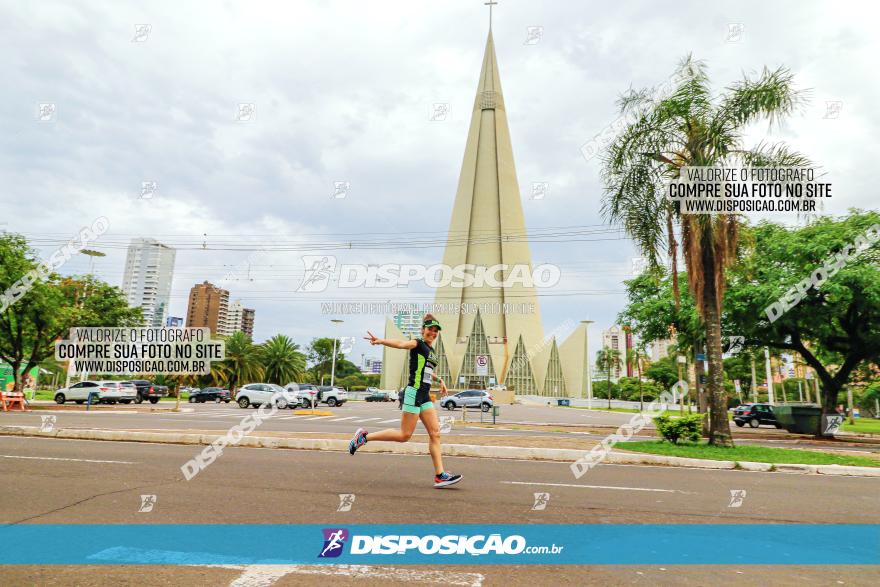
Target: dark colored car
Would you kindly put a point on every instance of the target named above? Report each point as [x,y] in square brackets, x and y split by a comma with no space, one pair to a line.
[378,396]
[148,391]
[210,394]
[754,415]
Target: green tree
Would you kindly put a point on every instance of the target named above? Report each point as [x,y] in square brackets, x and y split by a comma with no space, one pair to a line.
[242,363]
[664,371]
[691,127]
[50,308]
[608,359]
[320,355]
[835,327]
[282,362]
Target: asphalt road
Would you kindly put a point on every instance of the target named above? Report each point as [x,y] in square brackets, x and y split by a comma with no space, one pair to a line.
[350,416]
[70,481]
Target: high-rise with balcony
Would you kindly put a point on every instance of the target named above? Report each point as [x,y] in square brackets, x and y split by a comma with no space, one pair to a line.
[149,270]
[240,319]
[208,307]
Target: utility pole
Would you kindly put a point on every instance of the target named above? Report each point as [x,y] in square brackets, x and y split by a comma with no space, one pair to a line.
[769,376]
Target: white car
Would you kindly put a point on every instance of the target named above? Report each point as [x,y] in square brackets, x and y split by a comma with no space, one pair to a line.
[257,394]
[101,391]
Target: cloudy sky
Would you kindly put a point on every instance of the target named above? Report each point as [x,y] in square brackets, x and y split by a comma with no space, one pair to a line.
[344,91]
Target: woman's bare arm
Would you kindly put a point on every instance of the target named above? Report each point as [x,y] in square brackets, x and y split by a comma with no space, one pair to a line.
[390,342]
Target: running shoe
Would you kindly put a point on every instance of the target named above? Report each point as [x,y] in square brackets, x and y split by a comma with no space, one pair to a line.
[445,479]
[360,439]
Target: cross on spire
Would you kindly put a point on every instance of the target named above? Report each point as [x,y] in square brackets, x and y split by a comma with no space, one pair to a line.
[490,4]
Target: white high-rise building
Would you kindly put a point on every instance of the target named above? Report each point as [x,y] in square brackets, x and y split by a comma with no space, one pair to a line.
[409,322]
[149,270]
[660,349]
[613,339]
[233,318]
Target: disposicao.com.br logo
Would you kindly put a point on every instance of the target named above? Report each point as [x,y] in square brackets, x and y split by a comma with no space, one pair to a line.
[402,544]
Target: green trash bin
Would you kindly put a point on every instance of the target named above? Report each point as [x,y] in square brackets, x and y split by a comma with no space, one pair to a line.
[799,419]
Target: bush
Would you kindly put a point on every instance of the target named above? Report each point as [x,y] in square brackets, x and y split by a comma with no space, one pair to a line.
[686,428]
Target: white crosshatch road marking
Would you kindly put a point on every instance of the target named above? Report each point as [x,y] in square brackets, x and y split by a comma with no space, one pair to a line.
[597,487]
[65,459]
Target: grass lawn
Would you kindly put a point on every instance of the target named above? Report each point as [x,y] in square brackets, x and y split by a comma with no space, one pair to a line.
[758,454]
[862,426]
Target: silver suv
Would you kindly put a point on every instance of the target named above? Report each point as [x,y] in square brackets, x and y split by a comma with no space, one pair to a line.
[257,394]
[309,394]
[472,398]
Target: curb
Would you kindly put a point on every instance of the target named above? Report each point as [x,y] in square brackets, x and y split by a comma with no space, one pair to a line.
[417,448]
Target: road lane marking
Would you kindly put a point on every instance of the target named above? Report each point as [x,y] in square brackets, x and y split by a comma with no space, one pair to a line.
[596,487]
[317,417]
[341,419]
[389,421]
[368,419]
[65,459]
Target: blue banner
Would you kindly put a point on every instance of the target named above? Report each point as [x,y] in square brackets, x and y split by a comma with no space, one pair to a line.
[605,544]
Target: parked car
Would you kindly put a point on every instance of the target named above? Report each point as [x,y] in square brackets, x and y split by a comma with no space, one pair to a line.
[108,392]
[379,396]
[319,394]
[148,391]
[257,394]
[472,398]
[754,415]
[332,396]
[209,394]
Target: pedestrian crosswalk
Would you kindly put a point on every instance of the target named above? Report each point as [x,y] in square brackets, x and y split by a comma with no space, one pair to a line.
[234,413]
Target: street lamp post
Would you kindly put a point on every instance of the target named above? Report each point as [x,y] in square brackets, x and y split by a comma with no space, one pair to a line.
[769,373]
[333,364]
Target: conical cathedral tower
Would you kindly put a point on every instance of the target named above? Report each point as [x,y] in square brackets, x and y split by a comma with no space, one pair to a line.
[493,334]
[488,229]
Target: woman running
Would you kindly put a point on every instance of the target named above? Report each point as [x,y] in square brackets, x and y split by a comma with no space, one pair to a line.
[416,399]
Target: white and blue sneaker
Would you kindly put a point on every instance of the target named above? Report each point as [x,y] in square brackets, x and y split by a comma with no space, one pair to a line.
[445,479]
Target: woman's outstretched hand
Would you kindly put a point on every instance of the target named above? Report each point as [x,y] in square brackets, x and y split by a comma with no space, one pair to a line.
[374,340]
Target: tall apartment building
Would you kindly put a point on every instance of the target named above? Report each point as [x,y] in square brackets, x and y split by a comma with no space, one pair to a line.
[233,320]
[660,349]
[240,319]
[409,322]
[613,338]
[208,307]
[146,281]
[247,321]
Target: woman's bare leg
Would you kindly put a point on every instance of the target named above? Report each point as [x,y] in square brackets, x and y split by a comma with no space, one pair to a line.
[432,425]
[408,423]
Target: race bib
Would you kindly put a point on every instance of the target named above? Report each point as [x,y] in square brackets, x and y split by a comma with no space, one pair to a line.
[429,371]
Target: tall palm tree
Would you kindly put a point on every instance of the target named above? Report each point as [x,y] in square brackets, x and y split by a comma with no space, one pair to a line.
[242,362]
[608,359]
[691,127]
[281,359]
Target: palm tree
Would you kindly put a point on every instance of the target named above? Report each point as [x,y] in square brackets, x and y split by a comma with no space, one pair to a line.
[242,362]
[608,359]
[282,361]
[690,127]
